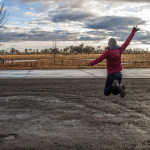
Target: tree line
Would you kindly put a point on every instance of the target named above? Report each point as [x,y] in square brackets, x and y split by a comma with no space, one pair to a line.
[81,49]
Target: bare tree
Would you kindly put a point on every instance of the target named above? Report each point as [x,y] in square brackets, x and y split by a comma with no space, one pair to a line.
[3,19]
[3,14]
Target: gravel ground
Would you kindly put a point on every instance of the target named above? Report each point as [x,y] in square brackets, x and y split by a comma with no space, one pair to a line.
[73,114]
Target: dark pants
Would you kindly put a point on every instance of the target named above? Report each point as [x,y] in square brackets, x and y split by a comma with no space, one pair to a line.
[109,81]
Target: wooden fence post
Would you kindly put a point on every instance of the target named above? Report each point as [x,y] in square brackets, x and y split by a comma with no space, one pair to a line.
[62,63]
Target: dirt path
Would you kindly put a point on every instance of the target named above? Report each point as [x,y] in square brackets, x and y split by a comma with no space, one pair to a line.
[73,114]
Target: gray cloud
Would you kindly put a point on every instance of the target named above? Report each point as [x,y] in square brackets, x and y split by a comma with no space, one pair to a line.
[143,38]
[114,23]
[35,34]
[71,16]
[139,36]
[89,38]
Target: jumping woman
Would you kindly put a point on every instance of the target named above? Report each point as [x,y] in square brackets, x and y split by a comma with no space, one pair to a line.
[114,67]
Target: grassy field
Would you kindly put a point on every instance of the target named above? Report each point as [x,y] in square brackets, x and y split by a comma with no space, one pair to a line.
[47,61]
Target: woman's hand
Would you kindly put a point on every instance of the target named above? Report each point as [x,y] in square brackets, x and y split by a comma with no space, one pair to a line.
[136,28]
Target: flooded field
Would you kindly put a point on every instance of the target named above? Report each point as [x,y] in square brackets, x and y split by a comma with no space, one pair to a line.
[71,114]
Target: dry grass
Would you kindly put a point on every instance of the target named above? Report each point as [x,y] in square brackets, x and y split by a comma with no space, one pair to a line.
[46,61]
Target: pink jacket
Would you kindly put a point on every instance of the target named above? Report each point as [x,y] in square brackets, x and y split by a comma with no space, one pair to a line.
[113,56]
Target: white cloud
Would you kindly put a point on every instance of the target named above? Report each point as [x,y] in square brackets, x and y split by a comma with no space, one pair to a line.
[32,14]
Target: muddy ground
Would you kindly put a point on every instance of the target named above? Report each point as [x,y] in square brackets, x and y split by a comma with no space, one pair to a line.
[73,114]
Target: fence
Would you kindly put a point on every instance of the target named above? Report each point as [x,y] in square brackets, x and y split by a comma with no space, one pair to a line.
[69,63]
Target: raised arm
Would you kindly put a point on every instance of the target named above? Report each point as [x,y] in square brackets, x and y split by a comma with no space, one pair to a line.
[128,40]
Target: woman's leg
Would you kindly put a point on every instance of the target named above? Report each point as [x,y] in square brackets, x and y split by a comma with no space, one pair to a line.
[117,76]
[108,85]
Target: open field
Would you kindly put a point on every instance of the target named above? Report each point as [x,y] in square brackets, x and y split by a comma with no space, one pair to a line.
[47,61]
[73,114]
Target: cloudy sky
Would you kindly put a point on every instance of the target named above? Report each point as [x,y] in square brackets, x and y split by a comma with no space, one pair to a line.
[35,23]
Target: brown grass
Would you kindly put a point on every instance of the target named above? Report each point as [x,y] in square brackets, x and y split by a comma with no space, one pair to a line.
[46,61]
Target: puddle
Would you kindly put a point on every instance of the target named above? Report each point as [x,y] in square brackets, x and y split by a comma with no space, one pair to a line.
[7,137]
[19,60]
